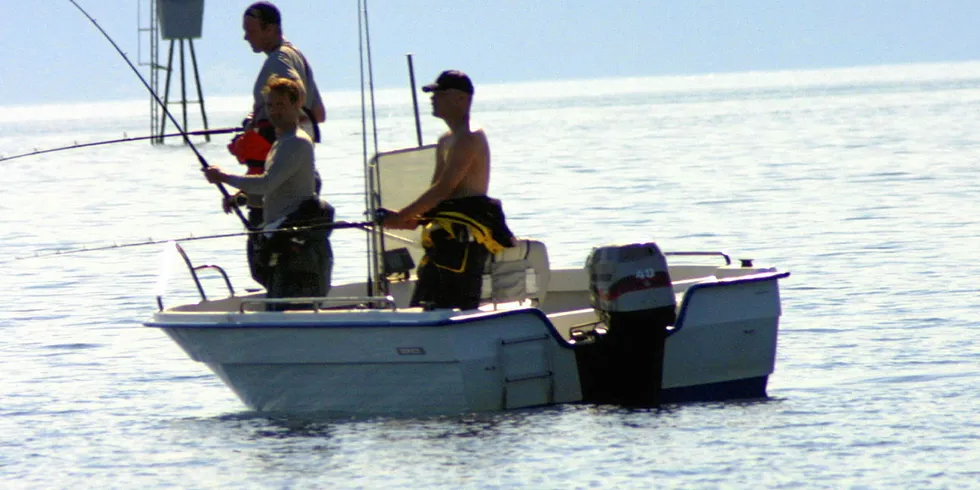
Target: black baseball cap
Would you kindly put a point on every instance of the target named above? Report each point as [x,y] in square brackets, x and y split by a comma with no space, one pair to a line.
[265,12]
[451,79]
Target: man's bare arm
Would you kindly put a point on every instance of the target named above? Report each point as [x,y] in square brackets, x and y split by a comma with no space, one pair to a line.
[467,151]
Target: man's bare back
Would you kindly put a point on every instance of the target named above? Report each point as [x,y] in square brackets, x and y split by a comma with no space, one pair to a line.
[465,156]
[462,155]
[463,225]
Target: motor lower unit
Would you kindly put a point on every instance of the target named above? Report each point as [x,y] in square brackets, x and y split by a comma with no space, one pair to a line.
[631,291]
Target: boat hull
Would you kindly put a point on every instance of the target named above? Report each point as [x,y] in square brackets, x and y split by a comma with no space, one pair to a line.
[409,361]
[436,364]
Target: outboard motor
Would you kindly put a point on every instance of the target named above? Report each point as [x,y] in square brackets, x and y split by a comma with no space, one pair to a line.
[631,291]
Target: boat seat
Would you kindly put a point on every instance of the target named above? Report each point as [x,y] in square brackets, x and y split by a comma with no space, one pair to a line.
[517,273]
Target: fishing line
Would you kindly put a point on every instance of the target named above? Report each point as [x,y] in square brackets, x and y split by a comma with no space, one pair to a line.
[370,67]
[337,225]
[124,139]
[372,242]
[187,140]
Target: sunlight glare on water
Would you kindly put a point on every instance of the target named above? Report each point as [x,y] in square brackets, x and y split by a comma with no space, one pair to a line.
[860,182]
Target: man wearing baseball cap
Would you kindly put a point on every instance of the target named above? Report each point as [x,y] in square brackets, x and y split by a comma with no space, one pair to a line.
[262,24]
[462,224]
[451,79]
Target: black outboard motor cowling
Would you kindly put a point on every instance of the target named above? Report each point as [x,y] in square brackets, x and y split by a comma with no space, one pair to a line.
[631,291]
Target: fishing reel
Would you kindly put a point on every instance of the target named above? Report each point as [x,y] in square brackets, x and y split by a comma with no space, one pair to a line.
[381,214]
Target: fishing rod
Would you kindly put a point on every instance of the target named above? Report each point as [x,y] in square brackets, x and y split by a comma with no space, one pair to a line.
[187,140]
[337,225]
[206,132]
[372,242]
[415,99]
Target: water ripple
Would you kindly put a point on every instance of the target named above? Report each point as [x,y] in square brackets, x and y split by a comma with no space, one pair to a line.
[859,190]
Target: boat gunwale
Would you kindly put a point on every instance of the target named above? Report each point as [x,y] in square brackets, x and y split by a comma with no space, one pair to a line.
[316,320]
[760,277]
[461,318]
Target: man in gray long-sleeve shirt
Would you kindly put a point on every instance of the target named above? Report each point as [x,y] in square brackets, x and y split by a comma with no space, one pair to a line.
[298,264]
[262,24]
[288,177]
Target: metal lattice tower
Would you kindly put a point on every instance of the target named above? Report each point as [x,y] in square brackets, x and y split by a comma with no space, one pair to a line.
[178,21]
[151,32]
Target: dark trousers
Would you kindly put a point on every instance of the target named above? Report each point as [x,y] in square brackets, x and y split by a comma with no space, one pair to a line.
[253,248]
[440,287]
[302,272]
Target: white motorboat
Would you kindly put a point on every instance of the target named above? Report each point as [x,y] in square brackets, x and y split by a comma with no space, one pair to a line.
[629,328]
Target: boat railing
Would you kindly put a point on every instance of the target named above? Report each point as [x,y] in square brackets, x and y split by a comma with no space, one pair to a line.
[728,260]
[318,304]
[197,280]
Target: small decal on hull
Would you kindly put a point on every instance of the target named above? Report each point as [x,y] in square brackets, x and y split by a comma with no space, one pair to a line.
[410,351]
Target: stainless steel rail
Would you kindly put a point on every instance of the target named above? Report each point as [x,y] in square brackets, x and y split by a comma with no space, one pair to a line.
[319,304]
[197,281]
[728,260]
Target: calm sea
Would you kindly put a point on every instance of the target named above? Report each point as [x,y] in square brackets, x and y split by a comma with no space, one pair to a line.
[861,182]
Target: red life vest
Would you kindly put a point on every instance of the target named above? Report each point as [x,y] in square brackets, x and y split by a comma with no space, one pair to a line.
[252,147]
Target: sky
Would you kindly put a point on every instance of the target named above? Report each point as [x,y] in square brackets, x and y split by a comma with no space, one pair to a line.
[51,53]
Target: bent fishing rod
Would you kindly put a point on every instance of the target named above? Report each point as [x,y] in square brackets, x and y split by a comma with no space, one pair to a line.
[125,139]
[187,140]
[337,225]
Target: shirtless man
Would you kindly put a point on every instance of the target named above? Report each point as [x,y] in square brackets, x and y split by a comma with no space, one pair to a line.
[462,156]
[450,275]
